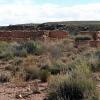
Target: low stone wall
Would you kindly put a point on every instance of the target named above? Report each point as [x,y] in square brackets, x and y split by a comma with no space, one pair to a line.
[58,34]
[93,34]
[20,35]
[91,43]
[82,43]
[87,32]
[95,43]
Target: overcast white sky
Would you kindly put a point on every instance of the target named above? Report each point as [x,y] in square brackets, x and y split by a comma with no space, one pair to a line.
[38,11]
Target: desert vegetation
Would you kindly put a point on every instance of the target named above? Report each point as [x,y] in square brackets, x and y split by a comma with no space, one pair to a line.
[82,38]
[54,69]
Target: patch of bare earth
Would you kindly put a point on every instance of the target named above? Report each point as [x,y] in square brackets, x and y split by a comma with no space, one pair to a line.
[9,91]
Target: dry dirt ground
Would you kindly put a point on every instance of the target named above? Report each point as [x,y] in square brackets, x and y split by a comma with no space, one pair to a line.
[10,91]
[21,91]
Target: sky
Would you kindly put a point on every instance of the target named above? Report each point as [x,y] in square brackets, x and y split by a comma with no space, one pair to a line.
[40,11]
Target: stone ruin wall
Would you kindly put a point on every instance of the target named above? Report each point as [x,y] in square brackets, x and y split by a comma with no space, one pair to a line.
[95,43]
[92,34]
[24,35]
[58,34]
[20,35]
[92,43]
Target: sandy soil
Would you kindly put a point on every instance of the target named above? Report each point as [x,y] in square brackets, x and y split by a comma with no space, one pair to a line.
[8,91]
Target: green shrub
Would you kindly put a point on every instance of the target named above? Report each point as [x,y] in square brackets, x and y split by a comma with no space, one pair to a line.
[82,69]
[55,51]
[95,66]
[67,88]
[32,72]
[10,50]
[5,76]
[94,62]
[97,54]
[17,61]
[76,84]
[20,52]
[21,75]
[13,69]
[44,74]
[15,66]
[67,48]
[5,51]
[56,68]
[3,46]
[6,55]
[79,38]
[33,47]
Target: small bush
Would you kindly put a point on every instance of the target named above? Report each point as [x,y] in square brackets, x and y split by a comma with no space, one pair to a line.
[19,79]
[82,38]
[6,52]
[55,51]
[97,54]
[67,88]
[13,69]
[82,69]
[6,55]
[10,50]
[17,61]
[56,68]
[95,66]
[44,74]
[94,62]
[32,72]
[20,52]
[3,46]
[5,76]
[15,66]
[67,48]
[33,47]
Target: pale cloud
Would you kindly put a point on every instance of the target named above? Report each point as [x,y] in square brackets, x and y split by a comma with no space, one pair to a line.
[28,12]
